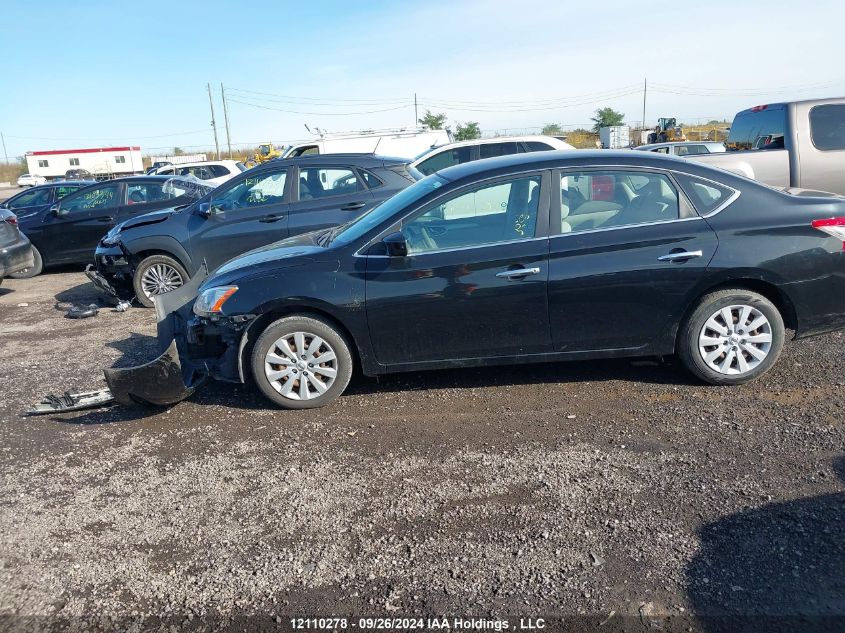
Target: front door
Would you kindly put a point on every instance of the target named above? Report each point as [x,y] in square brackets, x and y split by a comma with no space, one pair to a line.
[629,248]
[84,218]
[245,213]
[327,196]
[473,283]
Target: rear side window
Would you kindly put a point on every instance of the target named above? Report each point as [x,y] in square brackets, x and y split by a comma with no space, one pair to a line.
[752,129]
[491,150]
[218,170]
[370,179]
[705,195]
[324,182]
[684,150]
[827,126]
[537,146]
[61,192]
[30,198]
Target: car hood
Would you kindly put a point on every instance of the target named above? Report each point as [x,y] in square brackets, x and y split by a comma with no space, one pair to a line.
[152,217]
[287,252]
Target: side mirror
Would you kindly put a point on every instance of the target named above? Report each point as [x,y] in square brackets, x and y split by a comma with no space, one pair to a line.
[57,210]
[204,209]
[396,245]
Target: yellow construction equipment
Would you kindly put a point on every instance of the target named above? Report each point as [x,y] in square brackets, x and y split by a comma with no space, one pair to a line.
[265,152]
[667,129]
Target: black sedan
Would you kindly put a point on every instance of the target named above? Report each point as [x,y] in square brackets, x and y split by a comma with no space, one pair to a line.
[156,253]
[537,257]
[67,231]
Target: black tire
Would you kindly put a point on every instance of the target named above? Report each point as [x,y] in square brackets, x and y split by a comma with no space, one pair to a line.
[36,269]
[145,265]
[708,306]
[309,325]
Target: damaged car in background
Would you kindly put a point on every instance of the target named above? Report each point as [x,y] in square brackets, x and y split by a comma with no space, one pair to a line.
[529,258]
[156,253]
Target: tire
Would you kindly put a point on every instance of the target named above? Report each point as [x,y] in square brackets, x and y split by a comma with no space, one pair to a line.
[304,329]
[723,354]
[171,274]
[36,269]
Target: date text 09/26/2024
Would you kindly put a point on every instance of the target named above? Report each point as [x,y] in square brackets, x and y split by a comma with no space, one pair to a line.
[421,624]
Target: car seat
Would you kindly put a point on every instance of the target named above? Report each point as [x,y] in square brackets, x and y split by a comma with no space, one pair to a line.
[137,197]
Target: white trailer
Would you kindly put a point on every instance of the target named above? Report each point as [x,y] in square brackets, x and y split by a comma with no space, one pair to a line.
[103,162]
[615,137]
[398,143]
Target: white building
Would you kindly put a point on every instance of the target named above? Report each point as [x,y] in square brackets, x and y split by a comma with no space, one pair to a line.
[100,161]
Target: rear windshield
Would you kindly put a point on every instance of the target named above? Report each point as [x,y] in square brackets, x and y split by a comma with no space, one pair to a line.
[827,126]
[758,128]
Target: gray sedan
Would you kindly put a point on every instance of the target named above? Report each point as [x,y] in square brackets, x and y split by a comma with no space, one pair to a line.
[684,148]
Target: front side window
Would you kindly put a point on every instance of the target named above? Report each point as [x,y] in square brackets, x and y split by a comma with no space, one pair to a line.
[495,213]
[685,150]
[218,171]
[98,198]
[660,150]
[259,190]
[323,182]
[30,198]
[120,159]
[827,126]
[43,163]
[445,159]
[613,198]
[74,162]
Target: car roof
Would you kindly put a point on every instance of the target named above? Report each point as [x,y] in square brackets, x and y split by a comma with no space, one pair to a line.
[349,158]
[199,163]
[565,158]
[676,144]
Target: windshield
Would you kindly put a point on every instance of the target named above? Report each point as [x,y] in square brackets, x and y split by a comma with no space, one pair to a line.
[387,209]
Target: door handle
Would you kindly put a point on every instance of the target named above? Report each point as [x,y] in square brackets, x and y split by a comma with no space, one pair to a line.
[353,206]
[271,218]
[679,256]
[105,218]
[519,272]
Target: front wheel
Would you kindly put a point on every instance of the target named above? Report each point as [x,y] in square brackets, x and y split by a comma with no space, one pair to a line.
[301,362]
[157,275]
[731,337]
[34,270]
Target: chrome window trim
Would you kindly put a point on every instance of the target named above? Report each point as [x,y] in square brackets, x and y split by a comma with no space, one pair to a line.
[627,226]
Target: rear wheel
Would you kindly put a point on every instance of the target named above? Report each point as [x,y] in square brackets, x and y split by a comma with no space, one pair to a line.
[301,362]
[35,270]
[732,336]
[157,275]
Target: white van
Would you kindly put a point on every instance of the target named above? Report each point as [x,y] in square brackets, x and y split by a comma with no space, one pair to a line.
[396,143]
[213,172]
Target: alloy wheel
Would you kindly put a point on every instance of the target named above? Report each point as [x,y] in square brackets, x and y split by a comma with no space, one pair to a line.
[735,339]
[159,279]
[301,366]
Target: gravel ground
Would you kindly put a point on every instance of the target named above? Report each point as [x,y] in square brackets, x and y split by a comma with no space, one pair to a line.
[621,494]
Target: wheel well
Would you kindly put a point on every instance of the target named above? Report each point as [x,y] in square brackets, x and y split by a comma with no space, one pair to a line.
[149,253]
[261,323]
[768,290]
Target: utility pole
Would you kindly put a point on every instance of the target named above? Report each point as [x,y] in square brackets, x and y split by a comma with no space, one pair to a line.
[226,118]
[416,114]
[4,147]
[213,122]
[645,90]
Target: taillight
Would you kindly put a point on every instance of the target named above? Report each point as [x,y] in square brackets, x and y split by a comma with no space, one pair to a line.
[832,226]
[12,219]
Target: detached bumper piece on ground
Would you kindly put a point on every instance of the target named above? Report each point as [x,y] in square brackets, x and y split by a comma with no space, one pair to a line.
[161,382]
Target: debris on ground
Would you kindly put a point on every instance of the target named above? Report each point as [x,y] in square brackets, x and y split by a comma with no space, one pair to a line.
[122,306]
[83,312]
[72,402]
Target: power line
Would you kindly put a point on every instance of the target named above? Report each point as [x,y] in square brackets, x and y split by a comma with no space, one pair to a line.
[265,107]
[100,138]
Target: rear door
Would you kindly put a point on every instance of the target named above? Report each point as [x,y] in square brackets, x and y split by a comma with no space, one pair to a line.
[628,250]
[85,217]
[327,196]
[144,196]
[246,212]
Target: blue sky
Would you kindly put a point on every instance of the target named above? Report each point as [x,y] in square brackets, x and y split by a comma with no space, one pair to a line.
[84,74]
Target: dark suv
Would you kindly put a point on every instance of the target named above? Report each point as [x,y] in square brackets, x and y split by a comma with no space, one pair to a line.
[157,252]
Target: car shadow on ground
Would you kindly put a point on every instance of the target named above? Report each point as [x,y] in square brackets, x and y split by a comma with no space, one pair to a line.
[84,293]
[779,567]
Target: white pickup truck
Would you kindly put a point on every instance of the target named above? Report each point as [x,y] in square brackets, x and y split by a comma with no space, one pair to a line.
[798,145]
